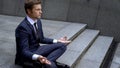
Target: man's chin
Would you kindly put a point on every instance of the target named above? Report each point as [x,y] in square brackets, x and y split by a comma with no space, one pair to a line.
[38,17]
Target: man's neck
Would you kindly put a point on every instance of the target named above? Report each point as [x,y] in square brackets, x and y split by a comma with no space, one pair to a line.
[32,18]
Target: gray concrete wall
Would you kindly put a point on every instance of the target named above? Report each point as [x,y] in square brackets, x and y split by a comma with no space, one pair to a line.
[9,7]
[98,14]
[108,20]
[12,7]
[84,11]
[56,9]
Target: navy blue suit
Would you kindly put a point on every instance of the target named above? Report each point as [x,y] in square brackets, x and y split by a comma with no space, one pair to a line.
[27,44]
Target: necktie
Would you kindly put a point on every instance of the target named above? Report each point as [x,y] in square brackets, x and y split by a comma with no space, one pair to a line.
[36,31]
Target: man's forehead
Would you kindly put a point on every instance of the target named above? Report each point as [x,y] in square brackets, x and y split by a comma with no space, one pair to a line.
[36,6]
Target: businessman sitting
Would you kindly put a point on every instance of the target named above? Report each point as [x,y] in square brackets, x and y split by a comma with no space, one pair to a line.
[29,35]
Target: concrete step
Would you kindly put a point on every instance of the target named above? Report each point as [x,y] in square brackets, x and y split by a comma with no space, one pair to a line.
[96,53]
[116,59]
[51,27]
[71,31]
[77,47]
[68,31]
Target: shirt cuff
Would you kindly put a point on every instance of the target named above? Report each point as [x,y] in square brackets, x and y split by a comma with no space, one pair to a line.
[35,56]
[55,41]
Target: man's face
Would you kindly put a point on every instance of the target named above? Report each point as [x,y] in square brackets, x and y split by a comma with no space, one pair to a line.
[36,12]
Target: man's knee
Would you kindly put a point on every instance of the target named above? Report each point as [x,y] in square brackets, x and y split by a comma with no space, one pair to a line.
[63,46]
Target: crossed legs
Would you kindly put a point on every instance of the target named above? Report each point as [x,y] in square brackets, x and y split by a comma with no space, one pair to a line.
[51,52]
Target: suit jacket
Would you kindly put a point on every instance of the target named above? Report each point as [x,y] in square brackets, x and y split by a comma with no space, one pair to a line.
[26,41]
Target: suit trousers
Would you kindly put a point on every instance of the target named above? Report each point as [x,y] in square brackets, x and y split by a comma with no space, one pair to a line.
[51,52]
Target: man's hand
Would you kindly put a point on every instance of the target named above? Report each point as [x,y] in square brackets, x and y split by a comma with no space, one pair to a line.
[44,60]
[64,40]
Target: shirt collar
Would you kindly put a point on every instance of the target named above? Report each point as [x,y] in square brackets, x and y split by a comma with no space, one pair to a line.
[31,20]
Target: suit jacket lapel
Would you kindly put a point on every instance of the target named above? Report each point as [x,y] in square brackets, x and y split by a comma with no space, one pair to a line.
[30,26]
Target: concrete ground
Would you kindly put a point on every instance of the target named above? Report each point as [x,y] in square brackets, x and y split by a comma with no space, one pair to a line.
[7,37]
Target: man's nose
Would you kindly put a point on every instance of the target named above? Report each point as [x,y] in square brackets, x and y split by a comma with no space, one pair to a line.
[41,11]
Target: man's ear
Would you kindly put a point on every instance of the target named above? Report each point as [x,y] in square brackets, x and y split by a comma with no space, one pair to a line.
[29,11]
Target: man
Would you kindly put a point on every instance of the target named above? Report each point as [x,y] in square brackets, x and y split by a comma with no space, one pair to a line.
[29,35]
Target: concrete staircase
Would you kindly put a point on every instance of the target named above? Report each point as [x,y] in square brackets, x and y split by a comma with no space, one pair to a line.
[87,50]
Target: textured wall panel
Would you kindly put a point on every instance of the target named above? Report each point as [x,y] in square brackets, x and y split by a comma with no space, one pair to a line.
[108,20]
[113,5]
[84,11]
[20,10]
[1,6]
[9,7]
[109,24]
[56,9]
